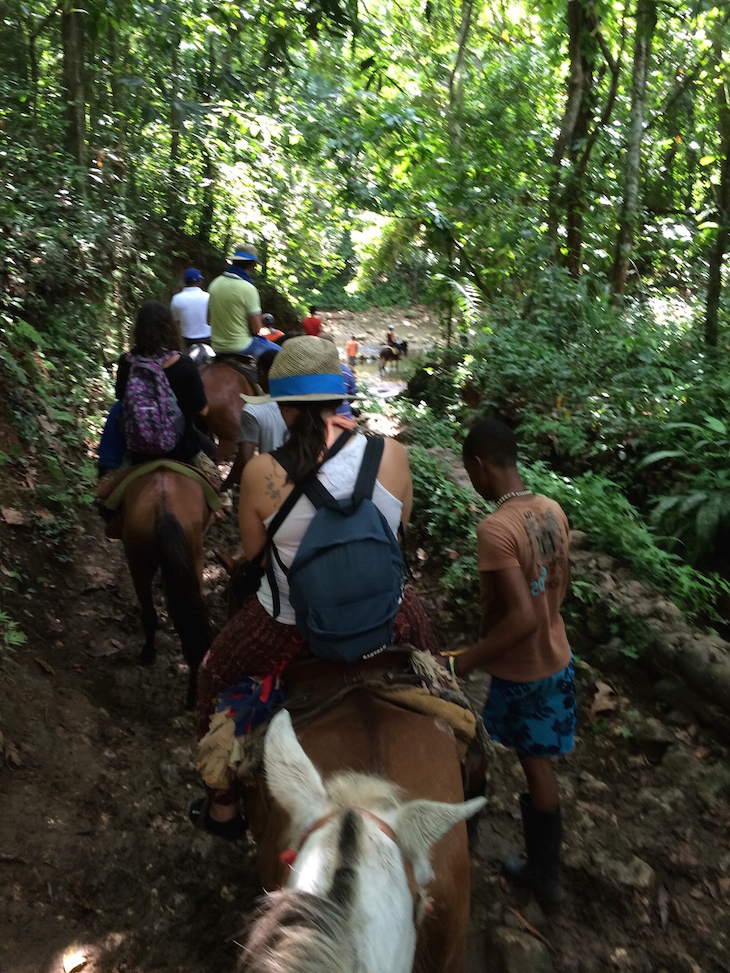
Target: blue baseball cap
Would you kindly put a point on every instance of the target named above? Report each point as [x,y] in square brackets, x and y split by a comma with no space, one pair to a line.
[192,276]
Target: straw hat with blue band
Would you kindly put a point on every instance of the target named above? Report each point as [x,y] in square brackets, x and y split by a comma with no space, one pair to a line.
[305,370]
[243,252]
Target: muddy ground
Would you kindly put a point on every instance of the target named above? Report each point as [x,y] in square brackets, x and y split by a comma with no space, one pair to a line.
[100,870]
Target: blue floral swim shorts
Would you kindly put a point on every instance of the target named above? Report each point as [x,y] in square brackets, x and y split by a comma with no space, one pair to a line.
[536,719]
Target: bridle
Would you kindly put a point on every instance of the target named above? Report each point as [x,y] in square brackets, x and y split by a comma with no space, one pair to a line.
[421,901]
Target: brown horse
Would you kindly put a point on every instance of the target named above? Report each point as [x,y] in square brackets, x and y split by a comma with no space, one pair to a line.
[367,802]
[164,516]
[223,386]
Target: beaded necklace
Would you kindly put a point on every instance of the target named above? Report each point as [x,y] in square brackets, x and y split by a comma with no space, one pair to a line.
[514,493]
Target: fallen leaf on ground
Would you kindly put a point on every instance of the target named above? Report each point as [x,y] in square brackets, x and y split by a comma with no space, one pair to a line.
[97,578]
[684,857]
[663,906]
[12,516]
[11,755]
[75,960]
[104,649]
[47,425]
[606,699]
[45,666]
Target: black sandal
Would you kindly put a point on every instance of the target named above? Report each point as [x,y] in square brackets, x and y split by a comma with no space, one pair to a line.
[199,817]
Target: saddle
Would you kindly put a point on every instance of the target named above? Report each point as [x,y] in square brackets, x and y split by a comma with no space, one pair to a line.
[243,364]
[111,489]
[402,676]
[311,683]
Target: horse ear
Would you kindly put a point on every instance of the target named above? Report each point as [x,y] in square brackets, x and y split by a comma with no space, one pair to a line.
[292,777]
[419,824]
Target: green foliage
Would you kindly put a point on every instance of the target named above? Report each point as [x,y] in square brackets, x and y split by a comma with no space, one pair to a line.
[421,425]
[444,521]
[445,518]
[385,294]
[11,637]
[697,513]
[597,506]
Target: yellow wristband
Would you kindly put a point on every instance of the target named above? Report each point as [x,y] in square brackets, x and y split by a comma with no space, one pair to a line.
[452,666]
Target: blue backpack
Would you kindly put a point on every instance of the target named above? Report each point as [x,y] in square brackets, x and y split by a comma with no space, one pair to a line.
[346,580]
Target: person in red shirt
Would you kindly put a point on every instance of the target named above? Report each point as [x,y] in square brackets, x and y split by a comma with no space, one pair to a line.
[351,350]
[313,324]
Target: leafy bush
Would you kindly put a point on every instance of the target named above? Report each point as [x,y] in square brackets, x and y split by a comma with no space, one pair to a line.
[596,390]
[597,506]
[383,294]
[444,521]
[698,510]
[445,518]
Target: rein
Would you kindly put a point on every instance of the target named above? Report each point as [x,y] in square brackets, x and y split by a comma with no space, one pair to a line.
[421,902]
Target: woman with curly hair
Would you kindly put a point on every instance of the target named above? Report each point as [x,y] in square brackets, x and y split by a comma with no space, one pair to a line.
[157,338]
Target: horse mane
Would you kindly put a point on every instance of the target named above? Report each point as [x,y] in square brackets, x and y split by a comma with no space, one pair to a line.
[297,932]
[349,789]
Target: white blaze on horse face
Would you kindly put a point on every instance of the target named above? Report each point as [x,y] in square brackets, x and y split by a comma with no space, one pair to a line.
[381,915]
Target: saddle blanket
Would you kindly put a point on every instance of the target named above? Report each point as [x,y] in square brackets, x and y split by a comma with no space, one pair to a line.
[222,754]
[118,482]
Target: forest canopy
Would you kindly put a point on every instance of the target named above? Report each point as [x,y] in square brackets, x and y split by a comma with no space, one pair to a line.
[552,178]
[471,144]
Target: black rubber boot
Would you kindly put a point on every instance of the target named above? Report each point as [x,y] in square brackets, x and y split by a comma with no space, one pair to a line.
[199,817]
[541,870]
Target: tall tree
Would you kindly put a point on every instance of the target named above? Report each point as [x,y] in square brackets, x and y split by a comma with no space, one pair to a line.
[722,237]
[646,16]
[574,124]
[72,38]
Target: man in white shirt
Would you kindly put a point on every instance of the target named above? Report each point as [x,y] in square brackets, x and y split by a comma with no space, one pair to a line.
[190,309]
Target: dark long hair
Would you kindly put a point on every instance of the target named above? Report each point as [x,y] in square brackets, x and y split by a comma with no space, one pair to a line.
[307,439]
[155,330]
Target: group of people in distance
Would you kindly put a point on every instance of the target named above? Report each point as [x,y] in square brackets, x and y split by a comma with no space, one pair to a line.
[522,546]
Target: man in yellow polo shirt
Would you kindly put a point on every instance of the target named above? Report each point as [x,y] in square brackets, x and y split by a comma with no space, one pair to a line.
[234,307]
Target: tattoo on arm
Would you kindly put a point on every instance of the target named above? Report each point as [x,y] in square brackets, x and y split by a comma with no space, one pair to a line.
[272,490]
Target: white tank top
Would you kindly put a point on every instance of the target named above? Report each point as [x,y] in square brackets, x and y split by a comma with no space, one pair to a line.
[338,475]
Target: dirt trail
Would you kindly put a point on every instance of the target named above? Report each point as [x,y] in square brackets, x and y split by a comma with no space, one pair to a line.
[100,870]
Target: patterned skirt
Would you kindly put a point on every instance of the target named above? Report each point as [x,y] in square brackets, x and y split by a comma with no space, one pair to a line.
[254,644]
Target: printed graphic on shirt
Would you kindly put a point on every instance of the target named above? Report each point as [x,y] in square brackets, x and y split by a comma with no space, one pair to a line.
[547,540]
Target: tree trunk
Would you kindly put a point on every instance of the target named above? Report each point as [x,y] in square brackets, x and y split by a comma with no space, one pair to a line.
[207,213]
[579,82]
[645,25]
[456,78]
[719,249]
[173,198]
[72,37]
[580,157]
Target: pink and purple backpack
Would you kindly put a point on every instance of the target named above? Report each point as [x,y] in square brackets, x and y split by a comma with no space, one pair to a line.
[151,417]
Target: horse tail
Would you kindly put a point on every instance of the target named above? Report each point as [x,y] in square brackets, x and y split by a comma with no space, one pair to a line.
[182,590]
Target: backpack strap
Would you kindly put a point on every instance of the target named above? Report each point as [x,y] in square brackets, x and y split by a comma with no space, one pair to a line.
[283,458]
[364,485]
[310,487]
[279,517]
[368,470]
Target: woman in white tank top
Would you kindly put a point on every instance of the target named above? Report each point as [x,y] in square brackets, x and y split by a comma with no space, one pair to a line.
[306,381]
